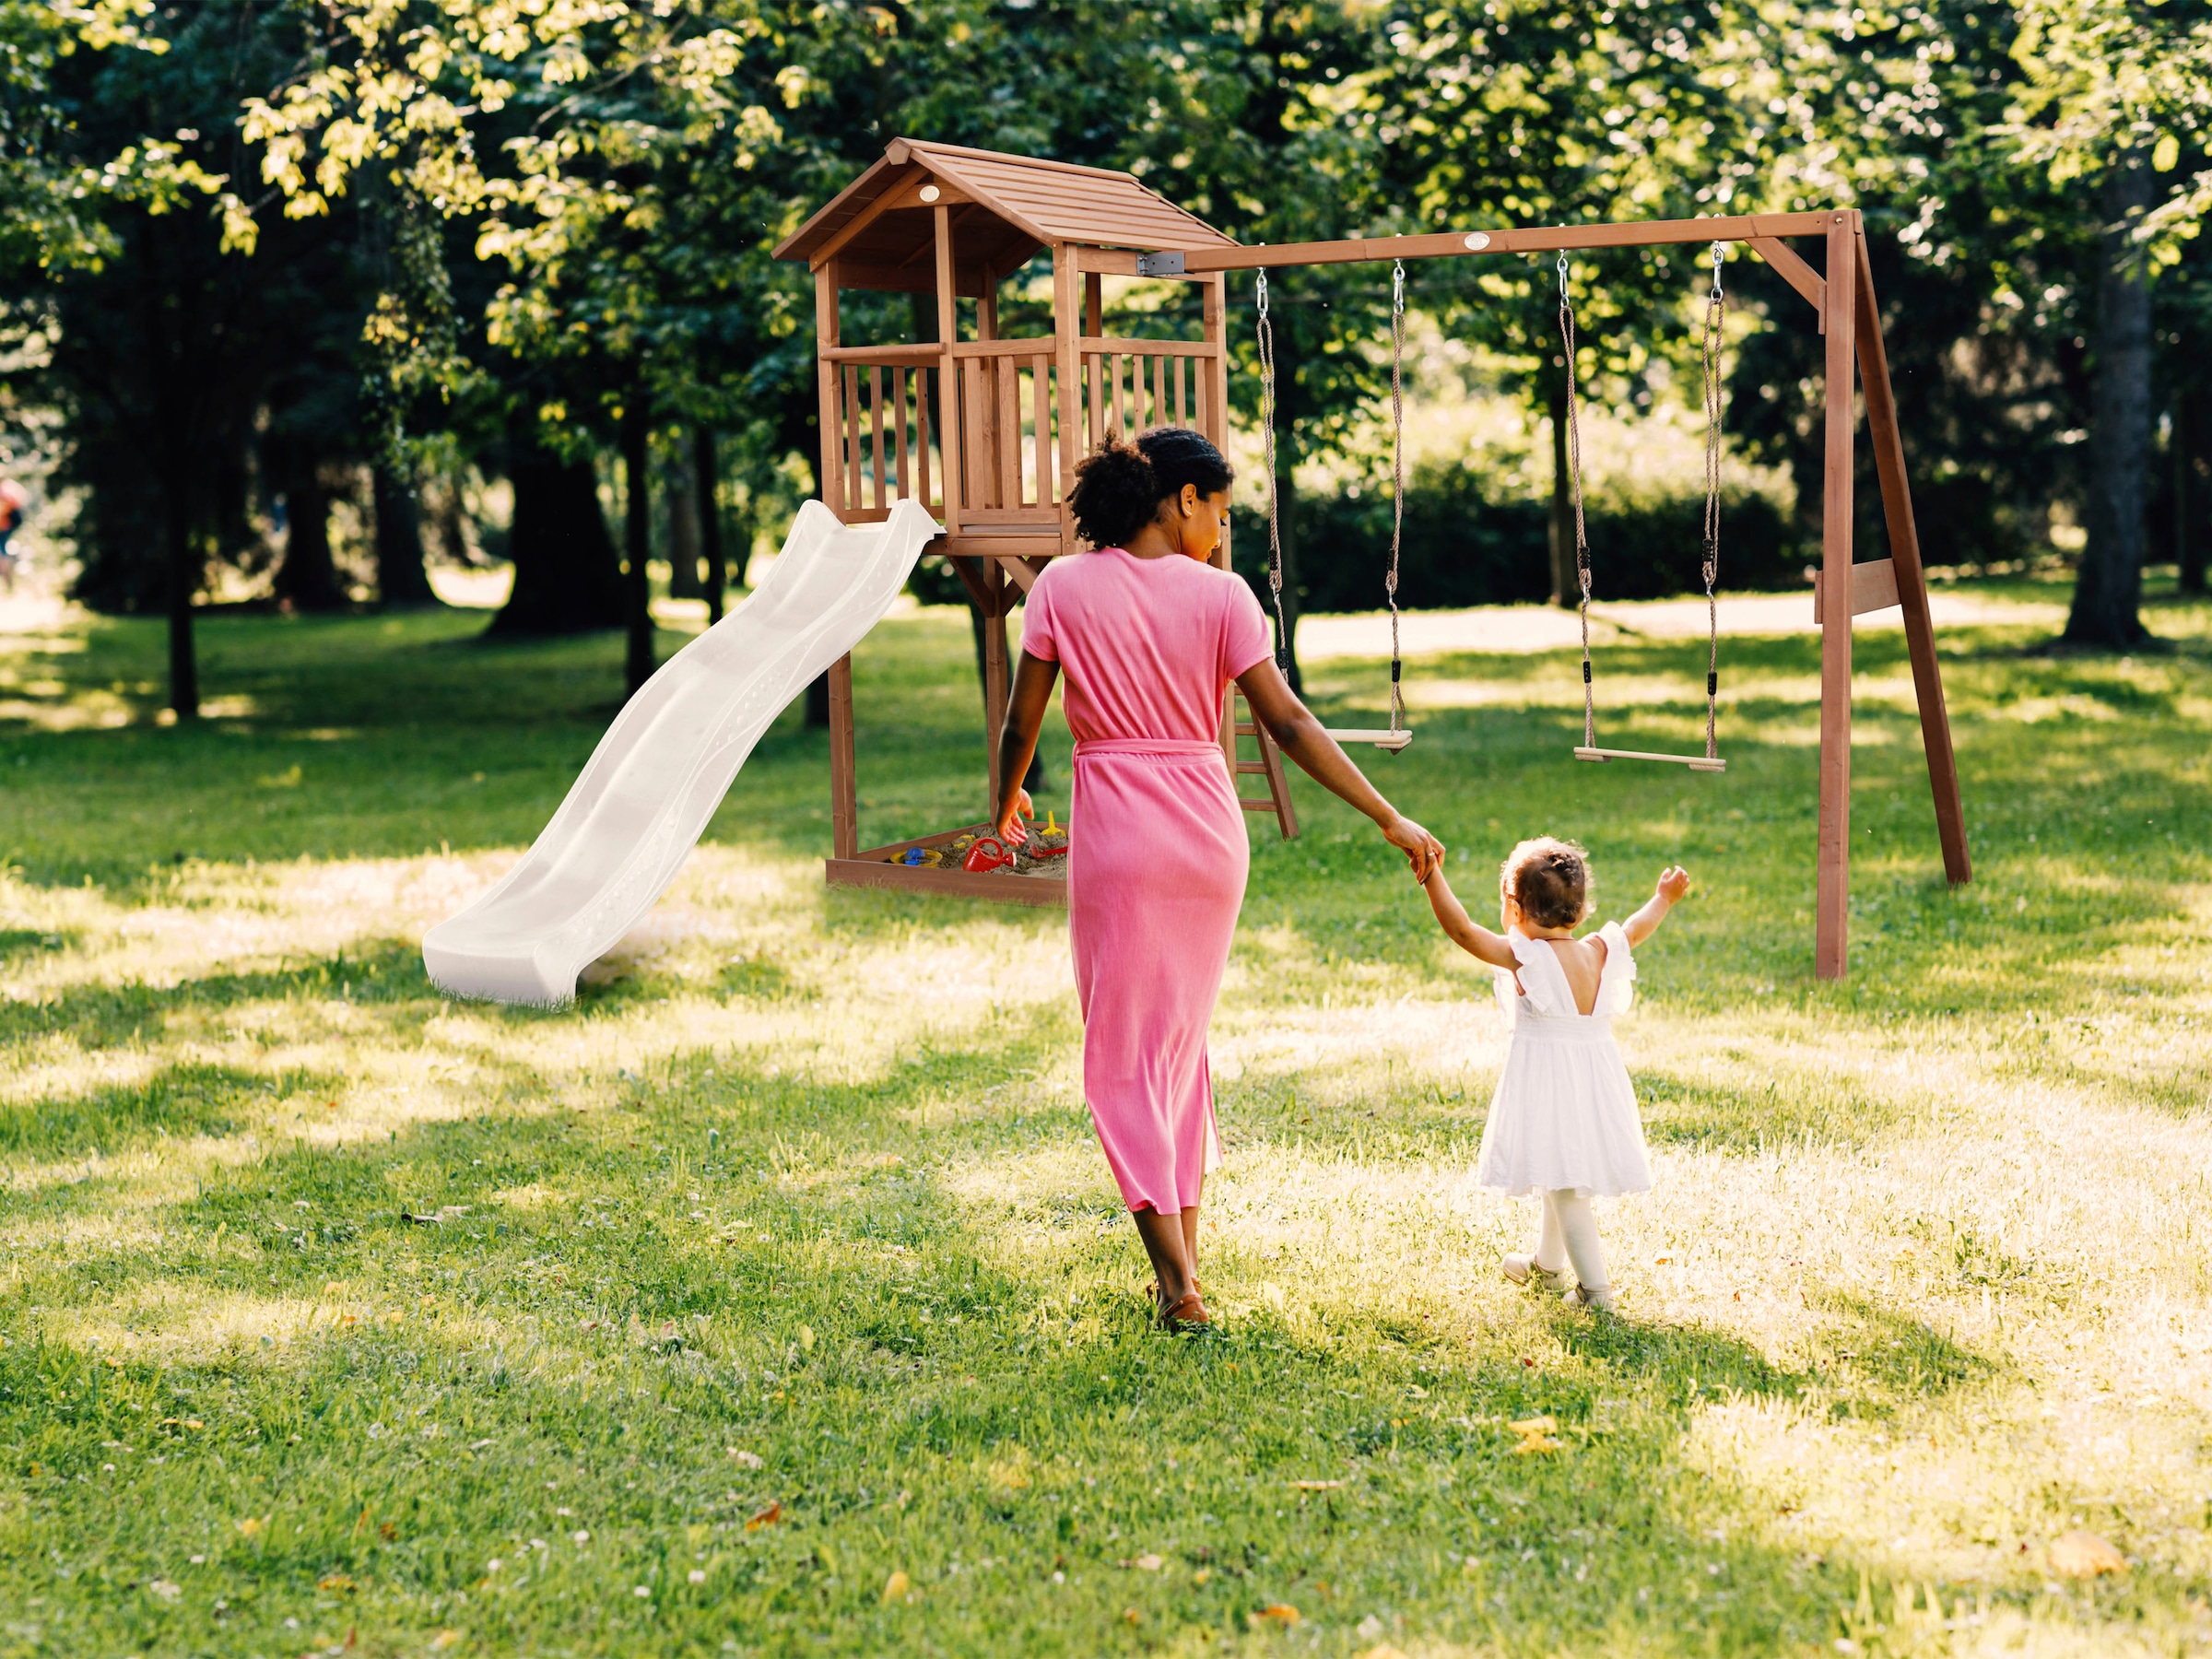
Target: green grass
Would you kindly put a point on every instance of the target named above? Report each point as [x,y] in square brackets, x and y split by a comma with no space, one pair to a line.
[784,1263]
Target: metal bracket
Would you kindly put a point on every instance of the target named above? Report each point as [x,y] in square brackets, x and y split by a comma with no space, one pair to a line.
[1160,264]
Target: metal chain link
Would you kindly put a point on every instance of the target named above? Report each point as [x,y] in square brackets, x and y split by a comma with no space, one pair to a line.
[1275,530]
[1574,475]
[1716,312]
[1397,477]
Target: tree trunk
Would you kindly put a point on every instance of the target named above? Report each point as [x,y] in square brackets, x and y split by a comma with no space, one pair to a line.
[1566,580]
[1286,500]
[637,538]
[400,579]
[2109,590]
[307,580]
[681,494]
[183,582]
[2188,527]
[567,578]
[705,475]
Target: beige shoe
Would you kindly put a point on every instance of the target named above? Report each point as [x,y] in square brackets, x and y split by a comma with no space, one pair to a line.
[1522,1268]
[1581,1296]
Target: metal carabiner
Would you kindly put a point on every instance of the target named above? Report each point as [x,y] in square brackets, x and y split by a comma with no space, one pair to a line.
[1262,294]
[1397,288]
[1562,273]
[1716,268]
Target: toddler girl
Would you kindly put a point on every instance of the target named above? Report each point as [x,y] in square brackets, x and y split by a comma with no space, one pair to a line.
[1564,1123]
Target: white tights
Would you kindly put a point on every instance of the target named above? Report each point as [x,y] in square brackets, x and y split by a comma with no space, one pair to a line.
[1568,1235]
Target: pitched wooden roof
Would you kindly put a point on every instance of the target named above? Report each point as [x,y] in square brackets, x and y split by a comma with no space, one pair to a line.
[1009,207]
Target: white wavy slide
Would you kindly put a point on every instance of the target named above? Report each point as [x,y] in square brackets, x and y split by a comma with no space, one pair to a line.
[642,800]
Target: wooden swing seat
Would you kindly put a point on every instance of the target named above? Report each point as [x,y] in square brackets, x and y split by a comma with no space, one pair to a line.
[1392,741]
[1695,762]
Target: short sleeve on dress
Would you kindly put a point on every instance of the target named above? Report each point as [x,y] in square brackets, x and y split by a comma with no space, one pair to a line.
[1037,619]
[1543,981]
[1245,637]
[1617,984]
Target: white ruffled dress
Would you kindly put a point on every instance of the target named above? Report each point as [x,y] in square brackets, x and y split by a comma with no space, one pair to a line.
[1565,1112]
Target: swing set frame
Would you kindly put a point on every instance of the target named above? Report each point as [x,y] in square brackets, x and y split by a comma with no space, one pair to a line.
[1841,296]
[934,219]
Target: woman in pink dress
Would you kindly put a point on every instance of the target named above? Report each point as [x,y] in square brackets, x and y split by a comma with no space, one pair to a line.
[1150,634]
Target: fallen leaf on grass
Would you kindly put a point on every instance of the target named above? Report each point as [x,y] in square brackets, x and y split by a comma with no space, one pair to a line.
[896,1586]
[1535,1424]
[166,1589]
[2084,1555]
[749,1460]
[1145,1563]
[1315,1485]
[252,1526]
[1276,1613]
[767,1517]
[336,1580]
[443,1639]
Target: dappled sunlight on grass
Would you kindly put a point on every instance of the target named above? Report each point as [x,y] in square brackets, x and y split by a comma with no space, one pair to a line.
[798,1206]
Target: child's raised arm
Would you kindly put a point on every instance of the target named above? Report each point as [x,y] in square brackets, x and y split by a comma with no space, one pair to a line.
[1467,934]
[1674,881]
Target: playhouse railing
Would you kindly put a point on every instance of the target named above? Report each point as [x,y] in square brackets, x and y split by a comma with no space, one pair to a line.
[891,414]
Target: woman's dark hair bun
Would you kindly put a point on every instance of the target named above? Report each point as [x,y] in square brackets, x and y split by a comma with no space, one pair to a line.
[1120,485]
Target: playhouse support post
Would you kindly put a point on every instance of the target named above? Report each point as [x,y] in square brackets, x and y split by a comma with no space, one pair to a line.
[1067,324]
[826,334]
[844,800]
[1832,904]
[994,676]
[1882,432]
[949,383]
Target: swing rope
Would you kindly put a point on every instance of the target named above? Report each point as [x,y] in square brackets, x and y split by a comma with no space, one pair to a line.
[1715,317]
[1275,528]
[1397,479]
[1716,314]
[1574,480]
[1396,737]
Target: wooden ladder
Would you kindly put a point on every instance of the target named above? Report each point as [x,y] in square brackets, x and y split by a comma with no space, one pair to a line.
[1237,722]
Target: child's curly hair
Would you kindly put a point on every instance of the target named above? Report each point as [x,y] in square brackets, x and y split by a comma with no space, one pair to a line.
[1120,485]
[1550,880]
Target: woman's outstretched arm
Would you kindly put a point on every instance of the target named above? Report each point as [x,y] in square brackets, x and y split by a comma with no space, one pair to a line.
[1033,681]
[1300,736]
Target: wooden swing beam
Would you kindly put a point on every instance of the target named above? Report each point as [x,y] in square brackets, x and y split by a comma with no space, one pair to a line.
[1843,299]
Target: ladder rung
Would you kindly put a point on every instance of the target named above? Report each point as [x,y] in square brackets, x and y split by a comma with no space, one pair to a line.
[1247,731]
[1251,766]
[1263,805]
[1695,762]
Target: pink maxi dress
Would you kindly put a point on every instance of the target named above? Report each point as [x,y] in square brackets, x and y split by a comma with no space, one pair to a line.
[1157,855]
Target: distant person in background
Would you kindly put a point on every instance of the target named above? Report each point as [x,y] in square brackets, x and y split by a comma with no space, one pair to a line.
[14,501]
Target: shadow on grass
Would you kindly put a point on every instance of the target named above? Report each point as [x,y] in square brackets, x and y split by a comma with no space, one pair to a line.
[188,1099]
[1705,1116]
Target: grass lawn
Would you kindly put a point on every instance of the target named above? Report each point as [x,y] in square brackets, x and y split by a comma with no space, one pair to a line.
[775,1299]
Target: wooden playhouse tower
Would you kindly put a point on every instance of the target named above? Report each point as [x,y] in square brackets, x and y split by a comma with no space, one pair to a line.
[985,431]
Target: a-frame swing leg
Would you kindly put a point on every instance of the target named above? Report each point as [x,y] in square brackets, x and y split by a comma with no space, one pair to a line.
[1832,928]
[1912,581]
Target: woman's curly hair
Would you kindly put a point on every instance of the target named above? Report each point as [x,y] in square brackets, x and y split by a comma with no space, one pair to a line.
[1549,879]
[1120,485]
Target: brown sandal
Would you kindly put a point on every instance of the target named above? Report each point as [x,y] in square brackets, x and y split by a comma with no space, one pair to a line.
[1187,1315]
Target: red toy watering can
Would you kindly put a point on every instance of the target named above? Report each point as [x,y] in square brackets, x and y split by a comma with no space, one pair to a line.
[988,853]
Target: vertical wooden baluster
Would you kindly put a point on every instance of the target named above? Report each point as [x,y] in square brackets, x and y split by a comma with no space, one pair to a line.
[1120,414]
[855,488]
[1040,392]
[1178,362]
[876,416]
[899,422]
[922,437]
[1094,371]
[1009,431]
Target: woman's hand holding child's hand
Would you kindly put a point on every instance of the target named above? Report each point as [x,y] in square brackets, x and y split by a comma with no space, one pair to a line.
[1422,849]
